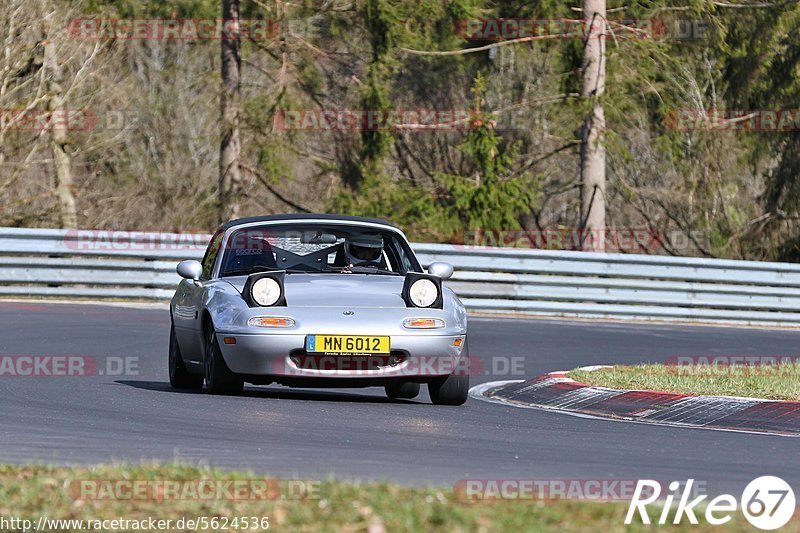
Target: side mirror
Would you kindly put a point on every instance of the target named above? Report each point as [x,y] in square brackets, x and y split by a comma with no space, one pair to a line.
[441,270]
[190,269]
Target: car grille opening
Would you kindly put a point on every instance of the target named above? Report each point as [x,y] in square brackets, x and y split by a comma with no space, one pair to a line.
[347,362]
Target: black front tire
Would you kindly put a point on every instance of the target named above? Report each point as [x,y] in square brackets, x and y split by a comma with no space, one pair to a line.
[218,377]
[179,377]
[402,390]
[451,390]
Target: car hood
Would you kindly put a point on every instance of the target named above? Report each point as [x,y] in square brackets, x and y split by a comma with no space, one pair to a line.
[336,290]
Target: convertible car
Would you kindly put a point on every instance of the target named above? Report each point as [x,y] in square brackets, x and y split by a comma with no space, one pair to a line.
[317,301]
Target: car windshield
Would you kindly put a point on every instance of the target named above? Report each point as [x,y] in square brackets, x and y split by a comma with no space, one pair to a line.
[317,248]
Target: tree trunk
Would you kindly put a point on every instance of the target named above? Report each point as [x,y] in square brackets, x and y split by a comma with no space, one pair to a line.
[62,162]
[593,153]
[230,173]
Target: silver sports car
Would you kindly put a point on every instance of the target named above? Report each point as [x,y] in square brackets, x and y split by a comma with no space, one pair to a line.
[317,301]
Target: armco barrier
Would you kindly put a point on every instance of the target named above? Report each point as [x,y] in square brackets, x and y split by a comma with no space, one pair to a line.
[139,265]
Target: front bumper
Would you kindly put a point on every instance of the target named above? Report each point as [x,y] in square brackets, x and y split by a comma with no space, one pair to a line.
[414,357]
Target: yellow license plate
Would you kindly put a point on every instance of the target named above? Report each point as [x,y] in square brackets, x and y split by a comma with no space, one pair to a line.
[347,344]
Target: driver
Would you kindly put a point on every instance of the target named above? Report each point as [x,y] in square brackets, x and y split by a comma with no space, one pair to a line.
[365,250]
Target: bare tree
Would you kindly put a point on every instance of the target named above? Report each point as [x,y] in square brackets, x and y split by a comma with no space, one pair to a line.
[59,140]
[593,153]
[230,173]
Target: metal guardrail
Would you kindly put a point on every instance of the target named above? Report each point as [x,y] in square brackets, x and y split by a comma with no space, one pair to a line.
[138,265]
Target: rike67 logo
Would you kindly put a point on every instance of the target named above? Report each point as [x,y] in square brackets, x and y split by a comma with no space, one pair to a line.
[767,502]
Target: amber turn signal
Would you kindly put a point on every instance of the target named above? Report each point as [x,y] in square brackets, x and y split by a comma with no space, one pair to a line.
[423,323]
[271,322]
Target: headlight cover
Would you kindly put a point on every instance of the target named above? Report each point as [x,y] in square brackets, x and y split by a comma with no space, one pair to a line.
[423,293]
[266,292]
[264,289]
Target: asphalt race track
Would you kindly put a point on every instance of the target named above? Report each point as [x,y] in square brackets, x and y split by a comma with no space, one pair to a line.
[358,433]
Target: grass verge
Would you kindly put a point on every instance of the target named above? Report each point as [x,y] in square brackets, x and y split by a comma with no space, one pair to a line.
[771,382]
[61,493]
